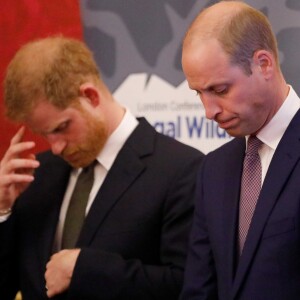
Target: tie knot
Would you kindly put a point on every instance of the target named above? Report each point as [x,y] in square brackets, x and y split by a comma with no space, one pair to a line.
[86,177]
[253,144]
[90,167]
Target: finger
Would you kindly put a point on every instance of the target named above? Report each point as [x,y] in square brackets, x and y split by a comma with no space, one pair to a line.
[30,156]
[16,179]
[17,145]
[50,293]
[48,278]
[19,165]
[15,150]
[49,290]
[18,137]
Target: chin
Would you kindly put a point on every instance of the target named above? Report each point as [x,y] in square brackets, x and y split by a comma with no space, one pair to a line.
[238,132]
[234,133]
[80,163]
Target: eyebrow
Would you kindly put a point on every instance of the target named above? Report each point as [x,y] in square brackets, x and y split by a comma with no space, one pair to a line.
[210,87]
[55,128]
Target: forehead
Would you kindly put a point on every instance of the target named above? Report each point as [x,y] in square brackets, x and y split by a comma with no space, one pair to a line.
[205,63]
[203,54]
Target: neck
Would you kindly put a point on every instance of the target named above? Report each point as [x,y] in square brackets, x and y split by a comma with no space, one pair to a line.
[115,113]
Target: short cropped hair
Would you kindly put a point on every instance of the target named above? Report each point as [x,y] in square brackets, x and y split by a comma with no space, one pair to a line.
[248,31]
[240,32]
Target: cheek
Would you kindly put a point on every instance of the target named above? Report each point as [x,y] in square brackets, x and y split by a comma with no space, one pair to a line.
[243,104]
[78,132]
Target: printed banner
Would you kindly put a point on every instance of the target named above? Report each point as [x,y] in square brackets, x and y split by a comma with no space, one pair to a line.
[137,45]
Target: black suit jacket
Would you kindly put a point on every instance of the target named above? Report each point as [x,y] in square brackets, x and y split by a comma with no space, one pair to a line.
[269,267]
[134,237]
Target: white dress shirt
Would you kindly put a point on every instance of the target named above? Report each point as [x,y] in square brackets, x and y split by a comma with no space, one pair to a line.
[272,133]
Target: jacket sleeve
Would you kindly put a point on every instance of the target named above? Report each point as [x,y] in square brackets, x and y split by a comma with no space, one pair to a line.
[9,284]
[200,281]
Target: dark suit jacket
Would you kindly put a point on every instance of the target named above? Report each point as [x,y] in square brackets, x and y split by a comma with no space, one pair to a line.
[134,238]
[269,268]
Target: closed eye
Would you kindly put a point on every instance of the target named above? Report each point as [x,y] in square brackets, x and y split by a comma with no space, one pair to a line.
[61,127]
[220,90]
[217,90]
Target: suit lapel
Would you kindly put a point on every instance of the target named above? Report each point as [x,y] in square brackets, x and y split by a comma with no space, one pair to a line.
[234,166]
[52,195]
[125,170]
[286,156]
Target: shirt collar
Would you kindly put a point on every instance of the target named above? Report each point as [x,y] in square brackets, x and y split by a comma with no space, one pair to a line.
[117,139]
[272,133]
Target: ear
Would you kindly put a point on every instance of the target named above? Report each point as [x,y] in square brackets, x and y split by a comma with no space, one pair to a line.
[265,62]
[88,91]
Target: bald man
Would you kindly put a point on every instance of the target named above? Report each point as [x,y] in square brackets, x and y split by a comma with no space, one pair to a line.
[244,248]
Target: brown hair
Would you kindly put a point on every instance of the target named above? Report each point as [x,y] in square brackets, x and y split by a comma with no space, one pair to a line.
[50,69]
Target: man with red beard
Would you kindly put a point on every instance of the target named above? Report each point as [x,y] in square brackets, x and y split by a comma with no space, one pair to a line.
[132,244]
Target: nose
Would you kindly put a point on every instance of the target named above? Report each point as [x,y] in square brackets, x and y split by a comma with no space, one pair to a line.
[57,144]
[211,106]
